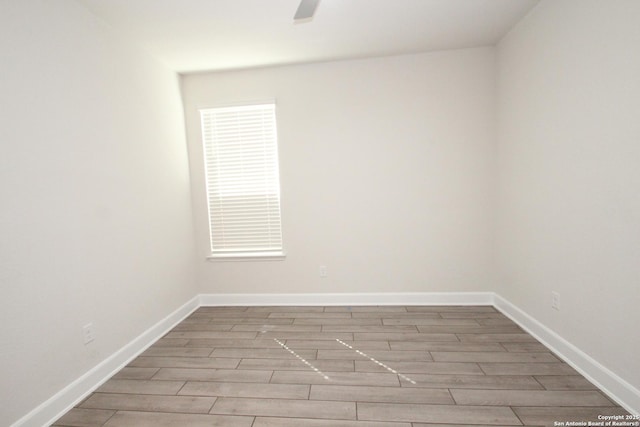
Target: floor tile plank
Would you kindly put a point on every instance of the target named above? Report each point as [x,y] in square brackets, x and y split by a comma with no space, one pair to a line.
[515,337]
[529,398]
[472,315]
[261,353]
[79,417]
[437,413]
[527,369]
[452,309]
[141,387]
[370,328]
[315,315]
[230,315]
[335,378]
[399,336]
[500,321]
[158,419]
[285,408]
[524,347]
[171,342]
[149,403]
[471,330]
[230,375]
[266,327]
[185,362]
[177,352]
[296,365]
[285,309]
[265,320]
[308,422]
[130,373]
[213,334]
[366,309]
[379,394]
[382,355]
[222,389]
[497,357]
[394,315]
[203,327]
[332,336]
[335,345]
[422,321]
[565,382]
[421,367]
[499,382]
[444,346]
[339,322]
[231,343]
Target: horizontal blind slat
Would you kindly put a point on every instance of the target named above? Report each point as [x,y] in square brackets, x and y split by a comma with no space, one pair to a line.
[241,167]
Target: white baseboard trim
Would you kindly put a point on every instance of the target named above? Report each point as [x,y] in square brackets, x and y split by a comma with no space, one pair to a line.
[617,388]
[350,299]
[56,406]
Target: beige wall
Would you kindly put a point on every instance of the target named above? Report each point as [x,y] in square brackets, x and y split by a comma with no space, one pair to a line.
[385,172]
[569,174]
[95,218]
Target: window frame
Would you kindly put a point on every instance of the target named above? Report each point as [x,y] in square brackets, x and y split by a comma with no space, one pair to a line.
[241,255]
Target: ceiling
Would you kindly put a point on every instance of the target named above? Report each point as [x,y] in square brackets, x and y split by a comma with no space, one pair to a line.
[210,35]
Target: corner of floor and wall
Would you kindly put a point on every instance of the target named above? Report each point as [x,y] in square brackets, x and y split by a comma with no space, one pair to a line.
[504,175]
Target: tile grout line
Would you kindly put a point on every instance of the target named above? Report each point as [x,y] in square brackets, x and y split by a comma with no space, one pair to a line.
[516,414]
[112,415]
[536,380]
[483,371]
[452,398]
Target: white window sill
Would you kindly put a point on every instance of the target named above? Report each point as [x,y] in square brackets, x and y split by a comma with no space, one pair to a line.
[248,256]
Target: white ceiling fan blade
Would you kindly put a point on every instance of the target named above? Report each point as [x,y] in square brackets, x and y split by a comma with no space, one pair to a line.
[306,10]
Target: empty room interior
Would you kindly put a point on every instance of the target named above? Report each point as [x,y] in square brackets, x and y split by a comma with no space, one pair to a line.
[340,213]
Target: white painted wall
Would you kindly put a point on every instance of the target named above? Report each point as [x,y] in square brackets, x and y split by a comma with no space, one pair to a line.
[95,218]
[569,174]
[385,172]
[387,179]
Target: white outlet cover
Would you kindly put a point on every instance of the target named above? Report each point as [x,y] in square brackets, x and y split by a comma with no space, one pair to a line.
[323,271]
[88,333]
[555,300]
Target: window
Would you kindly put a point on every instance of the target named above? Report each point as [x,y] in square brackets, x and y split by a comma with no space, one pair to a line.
[243,184]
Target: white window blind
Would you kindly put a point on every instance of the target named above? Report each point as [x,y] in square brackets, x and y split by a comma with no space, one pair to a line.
[243,185]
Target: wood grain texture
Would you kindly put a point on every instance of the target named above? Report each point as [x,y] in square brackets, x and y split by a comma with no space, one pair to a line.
[414,366]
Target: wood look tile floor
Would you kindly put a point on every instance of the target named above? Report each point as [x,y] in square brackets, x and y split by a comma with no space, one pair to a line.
[413,366]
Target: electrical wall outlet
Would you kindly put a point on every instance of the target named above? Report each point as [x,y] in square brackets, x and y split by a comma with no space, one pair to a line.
[555,301]
[88,333]
[322,271]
